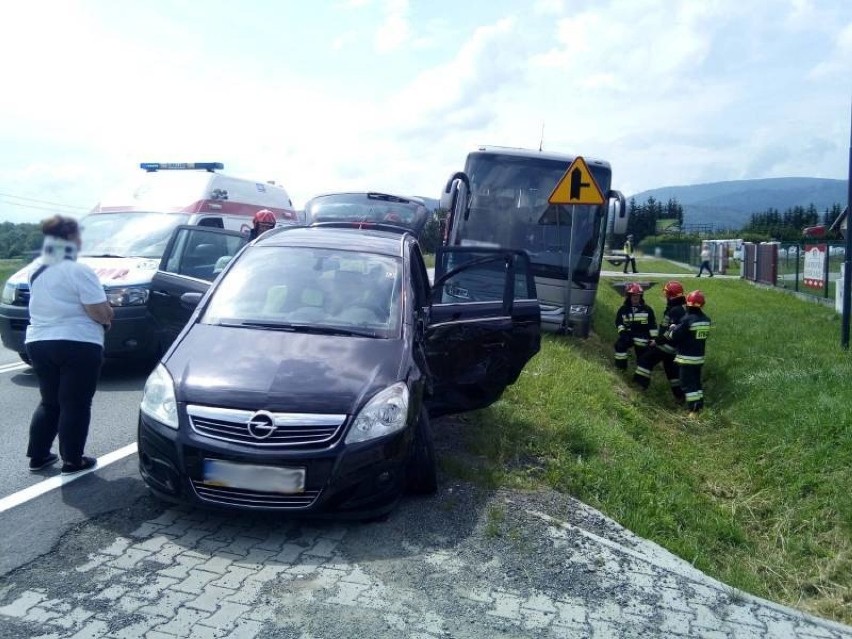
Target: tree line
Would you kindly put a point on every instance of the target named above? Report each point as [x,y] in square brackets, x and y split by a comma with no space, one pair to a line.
[19,240]
[653,219]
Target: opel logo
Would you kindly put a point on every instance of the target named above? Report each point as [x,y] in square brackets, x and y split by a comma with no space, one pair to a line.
[261,425]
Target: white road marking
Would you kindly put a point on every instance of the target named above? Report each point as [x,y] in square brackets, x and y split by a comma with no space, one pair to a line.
[15,366]
[25,495]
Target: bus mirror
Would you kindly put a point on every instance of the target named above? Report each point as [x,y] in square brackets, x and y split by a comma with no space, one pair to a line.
[618,210]
[448,196]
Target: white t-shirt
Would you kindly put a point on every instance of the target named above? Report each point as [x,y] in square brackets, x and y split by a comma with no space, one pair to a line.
[56,304]
[705,254]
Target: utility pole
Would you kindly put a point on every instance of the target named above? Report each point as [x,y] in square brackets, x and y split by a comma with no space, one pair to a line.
[847,259]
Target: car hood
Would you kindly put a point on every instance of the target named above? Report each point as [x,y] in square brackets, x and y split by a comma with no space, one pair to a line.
[280,371]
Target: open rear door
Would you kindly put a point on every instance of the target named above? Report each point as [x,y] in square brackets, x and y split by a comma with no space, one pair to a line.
[484,326]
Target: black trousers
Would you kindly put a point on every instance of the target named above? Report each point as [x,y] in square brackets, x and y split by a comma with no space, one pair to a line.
[645,365]
[705,264]
[68,374]
[622,347]
[630,261]
[690,381]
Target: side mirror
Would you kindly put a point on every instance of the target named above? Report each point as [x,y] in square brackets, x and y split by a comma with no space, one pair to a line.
[618,210]
[190,300]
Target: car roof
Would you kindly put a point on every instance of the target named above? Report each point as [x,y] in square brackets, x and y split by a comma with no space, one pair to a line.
[336,237]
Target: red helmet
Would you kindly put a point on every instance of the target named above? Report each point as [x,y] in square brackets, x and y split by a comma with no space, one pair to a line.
[634,288]
[264,216]
[695,299]
[673,289]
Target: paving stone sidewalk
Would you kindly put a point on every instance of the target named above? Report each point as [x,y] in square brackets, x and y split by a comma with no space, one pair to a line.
[436,568]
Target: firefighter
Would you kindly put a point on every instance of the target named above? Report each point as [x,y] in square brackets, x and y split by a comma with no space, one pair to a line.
[636,325]
[660,349]
[689,337]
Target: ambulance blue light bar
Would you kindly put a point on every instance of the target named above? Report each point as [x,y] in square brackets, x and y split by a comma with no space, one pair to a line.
[152,167]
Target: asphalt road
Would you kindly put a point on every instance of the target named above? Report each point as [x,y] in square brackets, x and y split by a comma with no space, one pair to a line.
[98,557]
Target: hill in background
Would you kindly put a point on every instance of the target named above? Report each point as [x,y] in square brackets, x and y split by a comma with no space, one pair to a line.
[731,204]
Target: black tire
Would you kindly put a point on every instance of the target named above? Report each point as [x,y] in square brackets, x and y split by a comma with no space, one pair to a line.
[25,358]
[422,473]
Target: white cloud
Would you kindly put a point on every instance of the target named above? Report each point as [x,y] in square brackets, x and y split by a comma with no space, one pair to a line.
[669,92]
[395,30]
[549,7]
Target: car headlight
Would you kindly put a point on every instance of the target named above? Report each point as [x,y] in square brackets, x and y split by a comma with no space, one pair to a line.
[127,296]
[158,398]
[8,296]
[386,413]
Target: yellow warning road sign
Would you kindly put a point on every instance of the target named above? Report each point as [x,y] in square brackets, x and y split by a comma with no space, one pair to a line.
[577,186]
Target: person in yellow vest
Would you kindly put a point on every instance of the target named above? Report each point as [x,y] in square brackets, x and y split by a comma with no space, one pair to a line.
[629,259]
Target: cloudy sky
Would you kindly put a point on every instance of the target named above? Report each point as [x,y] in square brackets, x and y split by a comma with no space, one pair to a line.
[392,94]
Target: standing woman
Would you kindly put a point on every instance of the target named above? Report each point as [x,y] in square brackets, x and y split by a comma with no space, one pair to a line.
[69,313]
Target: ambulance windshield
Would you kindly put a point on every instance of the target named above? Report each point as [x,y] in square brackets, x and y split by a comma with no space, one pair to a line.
[128,234]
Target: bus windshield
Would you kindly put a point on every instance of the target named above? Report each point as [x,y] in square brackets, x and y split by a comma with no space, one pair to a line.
[128,234]
[509,208]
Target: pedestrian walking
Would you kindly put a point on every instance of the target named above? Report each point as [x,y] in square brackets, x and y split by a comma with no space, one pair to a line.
[636,324]
[660,349]
[629,259]
[705,260]
[689,337]
[69,314]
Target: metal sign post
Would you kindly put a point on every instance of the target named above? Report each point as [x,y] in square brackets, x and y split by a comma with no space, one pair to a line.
[847,258]
[570,286]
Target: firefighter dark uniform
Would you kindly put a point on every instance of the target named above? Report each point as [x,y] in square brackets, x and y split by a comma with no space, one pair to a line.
[636,325]
[662,350]
[689,337]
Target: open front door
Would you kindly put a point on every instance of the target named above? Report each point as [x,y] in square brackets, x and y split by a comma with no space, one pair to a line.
[484,326]
[194,257]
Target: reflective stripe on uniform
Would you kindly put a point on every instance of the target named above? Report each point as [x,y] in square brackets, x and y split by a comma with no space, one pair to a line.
[694,396]
[640,341]
[621,356]
[644,372]
[666,348]
[674,382]
[689,359]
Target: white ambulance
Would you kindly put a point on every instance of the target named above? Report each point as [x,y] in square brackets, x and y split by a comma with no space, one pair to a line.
[126,235]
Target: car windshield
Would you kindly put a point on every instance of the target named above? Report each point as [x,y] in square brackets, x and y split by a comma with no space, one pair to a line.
[310,289]
[376,208]
[128,234]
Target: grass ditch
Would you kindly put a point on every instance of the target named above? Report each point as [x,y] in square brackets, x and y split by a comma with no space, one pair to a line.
[757,493]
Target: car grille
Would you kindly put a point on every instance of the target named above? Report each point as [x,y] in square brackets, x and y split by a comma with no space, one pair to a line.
[253,499]
[302,430]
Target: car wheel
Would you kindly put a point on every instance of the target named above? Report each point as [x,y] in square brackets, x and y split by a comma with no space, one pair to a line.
[25,358]
[422,474]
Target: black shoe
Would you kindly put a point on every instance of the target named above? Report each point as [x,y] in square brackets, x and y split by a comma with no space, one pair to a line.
[85,464]
[40,464]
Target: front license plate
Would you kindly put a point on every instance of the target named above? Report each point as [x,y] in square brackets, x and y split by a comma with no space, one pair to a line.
[266,479]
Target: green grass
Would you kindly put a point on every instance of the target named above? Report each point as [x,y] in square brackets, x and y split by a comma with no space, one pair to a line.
[757,493]
[429,258]
[8,267]
[659,265]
